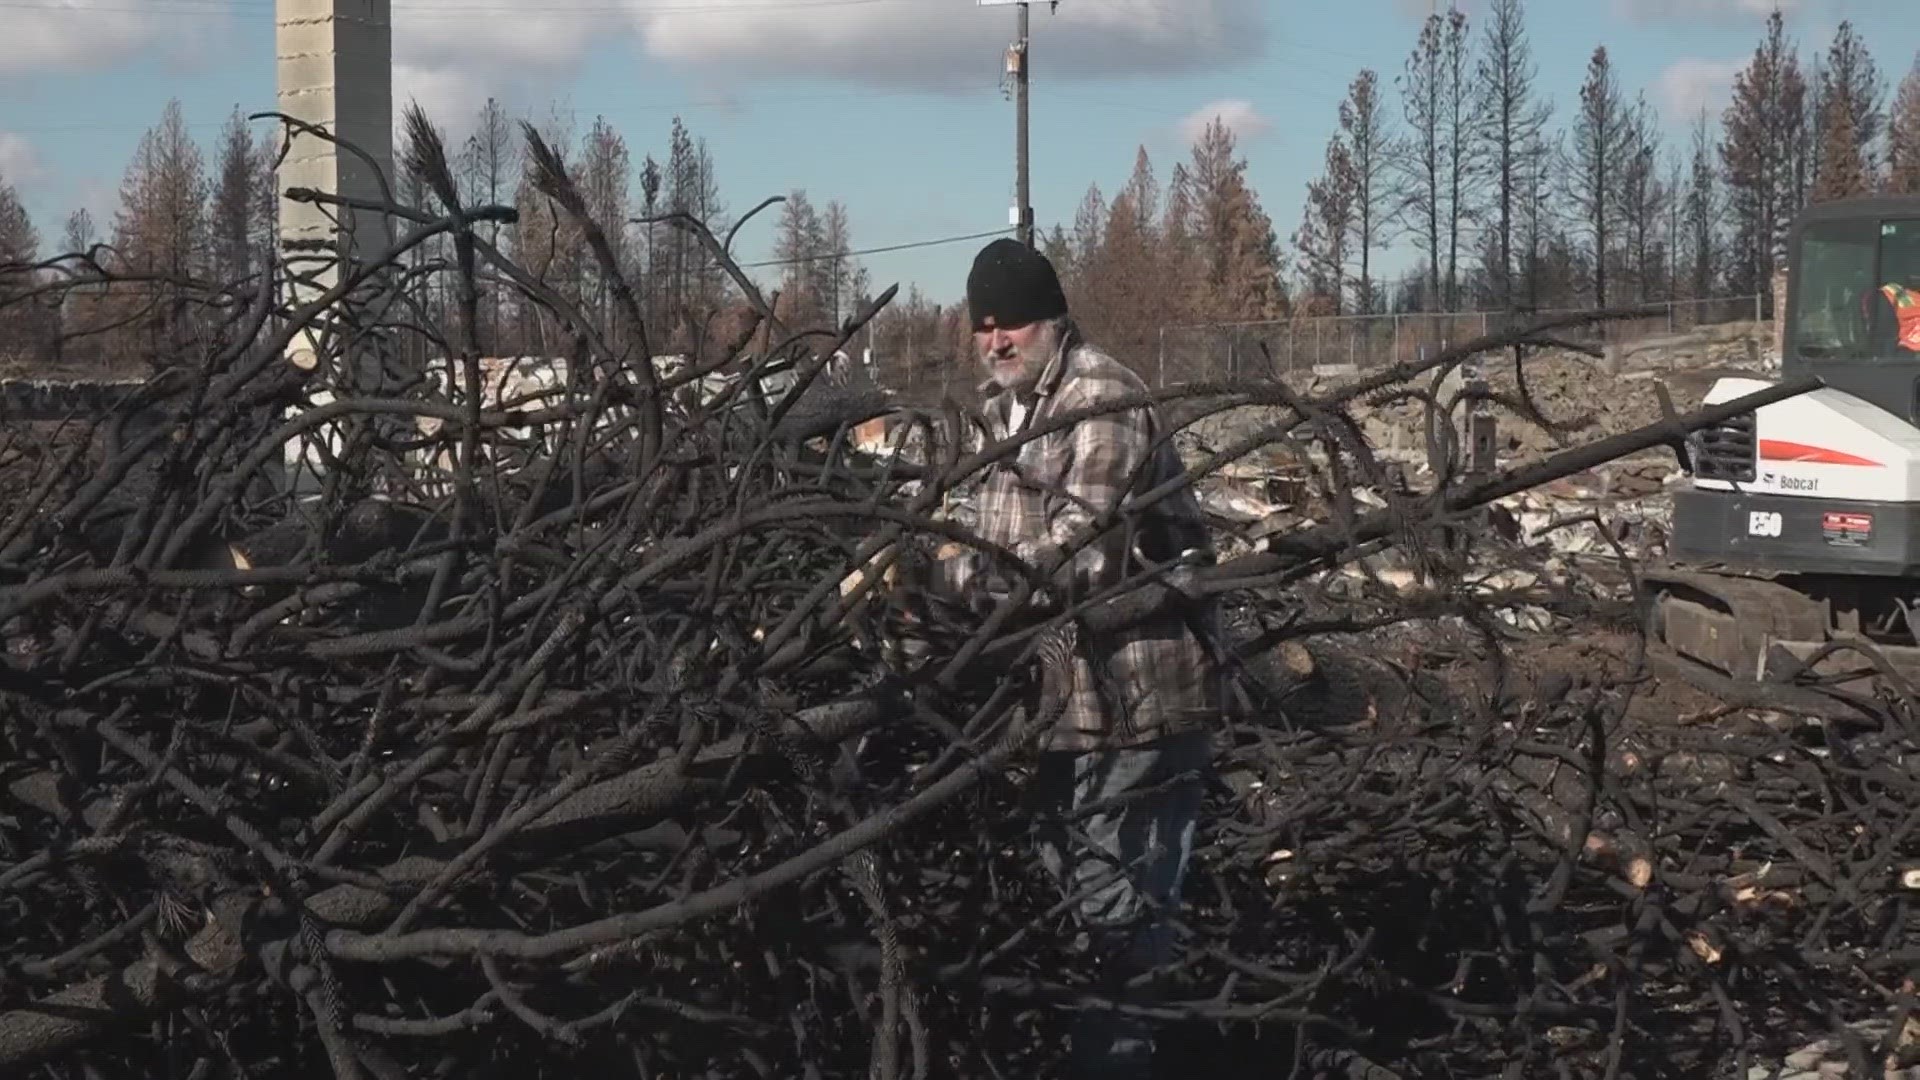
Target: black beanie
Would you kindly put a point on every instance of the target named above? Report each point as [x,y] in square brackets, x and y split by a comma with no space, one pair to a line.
[1014,285]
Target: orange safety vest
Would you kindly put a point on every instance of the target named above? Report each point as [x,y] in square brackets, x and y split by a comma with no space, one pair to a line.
[1906,312]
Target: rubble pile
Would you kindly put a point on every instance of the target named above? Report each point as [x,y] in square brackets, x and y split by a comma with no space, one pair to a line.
[1583,397]
[1266,492]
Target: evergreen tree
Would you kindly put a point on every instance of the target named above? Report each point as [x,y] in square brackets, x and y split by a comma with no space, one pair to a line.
[1702,211]
[1761,153]
[1848,119]
[1465,171]
[1239,254]
[79,235]
[1420,154]
[236,203]
[19,241]
[606,173]
[1640,203]
[1508,120]
[161,226]
[1603,139]
[799,247]
[1903,136]
[1320,243]
[1363,123]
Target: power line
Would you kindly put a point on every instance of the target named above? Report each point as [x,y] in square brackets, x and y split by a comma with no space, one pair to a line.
[878,250]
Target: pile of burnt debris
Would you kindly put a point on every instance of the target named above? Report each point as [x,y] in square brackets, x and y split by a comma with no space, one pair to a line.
[564,737]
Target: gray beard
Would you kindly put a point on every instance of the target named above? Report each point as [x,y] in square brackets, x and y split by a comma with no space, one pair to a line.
[1033,361]
[1019,382]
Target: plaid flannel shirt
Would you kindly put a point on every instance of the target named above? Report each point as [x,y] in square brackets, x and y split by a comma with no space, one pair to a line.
[1047,502]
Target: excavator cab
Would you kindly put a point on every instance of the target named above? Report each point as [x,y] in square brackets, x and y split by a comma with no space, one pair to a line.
[1853,301]
[1799,527]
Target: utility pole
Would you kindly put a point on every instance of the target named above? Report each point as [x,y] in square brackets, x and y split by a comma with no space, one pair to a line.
[1021,214]
[1020,137]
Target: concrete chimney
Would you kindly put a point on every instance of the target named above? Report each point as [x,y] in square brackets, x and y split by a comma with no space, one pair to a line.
[335,65]
[335,60]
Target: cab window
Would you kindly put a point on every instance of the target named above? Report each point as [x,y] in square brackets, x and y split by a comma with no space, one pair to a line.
[1836,295]
[1900,252]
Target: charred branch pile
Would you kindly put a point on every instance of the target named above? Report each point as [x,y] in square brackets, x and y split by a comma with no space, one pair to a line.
[566,730]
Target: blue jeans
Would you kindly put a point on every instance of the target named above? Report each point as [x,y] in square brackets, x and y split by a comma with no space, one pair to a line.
[1125,864]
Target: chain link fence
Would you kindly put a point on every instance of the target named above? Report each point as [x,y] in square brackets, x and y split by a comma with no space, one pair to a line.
[1348,343]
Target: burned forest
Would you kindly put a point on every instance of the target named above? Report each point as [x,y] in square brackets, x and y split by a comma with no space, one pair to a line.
[369,718]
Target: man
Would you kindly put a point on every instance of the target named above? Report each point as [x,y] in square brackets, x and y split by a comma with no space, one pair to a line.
[1904,326]
[1144,699]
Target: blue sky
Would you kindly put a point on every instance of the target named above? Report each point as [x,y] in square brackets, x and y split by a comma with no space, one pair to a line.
[892,106]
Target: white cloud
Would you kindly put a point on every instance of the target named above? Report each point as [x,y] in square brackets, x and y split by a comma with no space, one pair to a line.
[449,96]
[450,57]
[903,43]
[1710,12]
[20,163]
[453,31]
[1689,85]
[1238,114]
[66,35]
